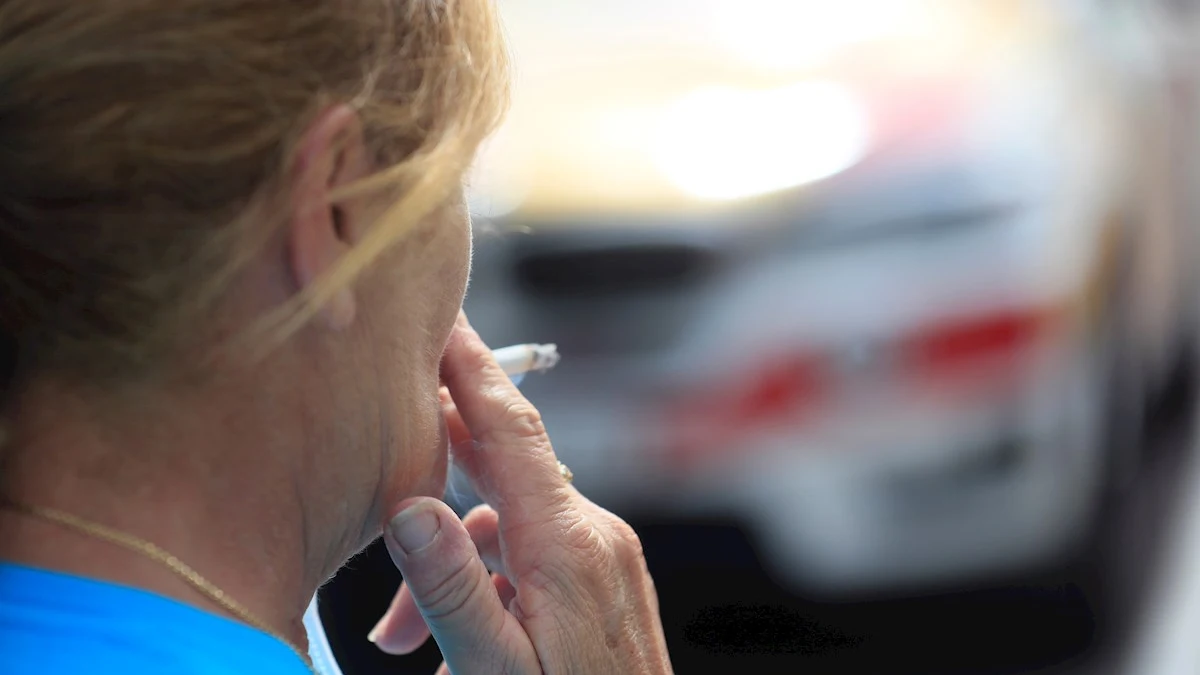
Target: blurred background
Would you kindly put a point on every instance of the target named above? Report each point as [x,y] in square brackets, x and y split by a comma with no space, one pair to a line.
[878,322]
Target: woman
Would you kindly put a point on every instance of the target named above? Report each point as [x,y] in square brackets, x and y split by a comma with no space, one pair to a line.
[233,251]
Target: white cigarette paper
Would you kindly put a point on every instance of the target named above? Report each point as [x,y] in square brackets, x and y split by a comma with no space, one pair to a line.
[521,359]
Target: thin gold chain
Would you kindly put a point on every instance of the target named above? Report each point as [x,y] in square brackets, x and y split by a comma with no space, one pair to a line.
[152,551]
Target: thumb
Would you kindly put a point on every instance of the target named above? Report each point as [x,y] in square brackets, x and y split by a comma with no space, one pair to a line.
[454,593]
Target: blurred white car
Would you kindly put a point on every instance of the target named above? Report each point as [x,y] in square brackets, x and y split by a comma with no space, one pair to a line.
[897,311]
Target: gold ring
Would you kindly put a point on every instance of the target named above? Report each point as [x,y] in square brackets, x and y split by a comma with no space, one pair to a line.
[566,472]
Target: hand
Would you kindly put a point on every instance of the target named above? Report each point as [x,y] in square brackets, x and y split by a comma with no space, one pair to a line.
[568,589]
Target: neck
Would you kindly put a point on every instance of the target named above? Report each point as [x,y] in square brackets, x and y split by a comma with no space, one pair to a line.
[205,492]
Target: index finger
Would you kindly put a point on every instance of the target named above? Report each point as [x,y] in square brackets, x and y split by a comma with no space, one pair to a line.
[511,463]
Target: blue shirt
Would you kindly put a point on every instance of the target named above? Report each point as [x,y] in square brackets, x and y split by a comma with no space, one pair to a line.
[60,624]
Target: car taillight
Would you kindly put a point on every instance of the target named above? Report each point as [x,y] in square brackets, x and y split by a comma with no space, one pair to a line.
[967,345]
[955,358]
[780,392]
[783,392]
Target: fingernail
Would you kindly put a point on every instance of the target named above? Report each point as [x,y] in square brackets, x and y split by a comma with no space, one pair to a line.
[415,528]
[374,634]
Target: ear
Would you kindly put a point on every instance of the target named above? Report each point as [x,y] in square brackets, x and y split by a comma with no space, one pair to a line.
[331,154]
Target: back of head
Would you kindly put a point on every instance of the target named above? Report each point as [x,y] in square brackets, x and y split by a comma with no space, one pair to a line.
[144,146]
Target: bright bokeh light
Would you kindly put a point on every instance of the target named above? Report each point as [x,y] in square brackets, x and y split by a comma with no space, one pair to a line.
[722,143]
[794,34]
[498,182]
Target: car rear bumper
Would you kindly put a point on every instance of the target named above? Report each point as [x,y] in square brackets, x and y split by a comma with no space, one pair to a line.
[904,496]
[1014,489]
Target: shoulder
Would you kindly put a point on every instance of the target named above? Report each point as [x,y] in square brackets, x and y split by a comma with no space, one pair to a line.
[53,624]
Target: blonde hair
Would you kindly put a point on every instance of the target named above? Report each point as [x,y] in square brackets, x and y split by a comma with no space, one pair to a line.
[145,147]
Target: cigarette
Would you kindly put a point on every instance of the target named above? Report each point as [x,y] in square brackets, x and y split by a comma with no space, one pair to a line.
[521,359]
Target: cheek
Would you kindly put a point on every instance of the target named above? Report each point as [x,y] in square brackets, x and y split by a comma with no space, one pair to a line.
[421,460]
[459,266]
[441,458]
[469,249]
[434,461]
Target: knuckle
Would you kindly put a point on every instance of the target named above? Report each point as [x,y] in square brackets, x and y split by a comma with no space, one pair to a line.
[452,594]
[627,545]
[524,421]
[583,556]
[516,420]
[478,356]
[585,538]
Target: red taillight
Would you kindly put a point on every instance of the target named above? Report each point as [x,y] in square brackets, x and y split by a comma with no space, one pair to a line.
[948,358]
[785,392]
[781,392]
[994,340]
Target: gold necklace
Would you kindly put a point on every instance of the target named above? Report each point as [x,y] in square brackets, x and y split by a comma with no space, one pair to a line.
[150,550]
